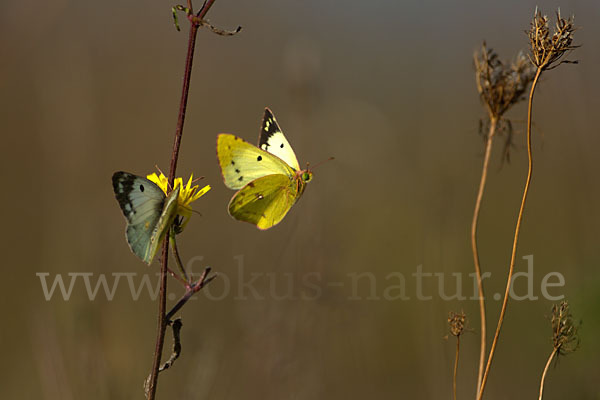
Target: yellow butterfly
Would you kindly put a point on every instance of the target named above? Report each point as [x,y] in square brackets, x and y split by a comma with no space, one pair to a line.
[268,177]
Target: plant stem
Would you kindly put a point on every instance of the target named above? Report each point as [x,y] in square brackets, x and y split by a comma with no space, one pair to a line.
[162,321]
[186,279]
[455,366]
[546,370]
[516,236]
[484,171]
[190,290]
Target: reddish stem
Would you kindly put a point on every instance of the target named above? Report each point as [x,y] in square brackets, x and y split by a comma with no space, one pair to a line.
[162,321]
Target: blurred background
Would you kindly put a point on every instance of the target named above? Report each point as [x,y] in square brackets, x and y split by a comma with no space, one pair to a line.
[90,88]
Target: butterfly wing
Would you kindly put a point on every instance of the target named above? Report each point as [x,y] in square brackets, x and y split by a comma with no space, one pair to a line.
[242,162]
[271,139]
[149,213]
[169,212]
[265,201]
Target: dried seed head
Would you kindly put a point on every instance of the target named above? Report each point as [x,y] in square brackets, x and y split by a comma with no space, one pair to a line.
[501,85]
[547,50]
[564,330]
[457,322]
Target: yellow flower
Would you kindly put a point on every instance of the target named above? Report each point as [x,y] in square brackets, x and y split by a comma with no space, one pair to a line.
[187,195]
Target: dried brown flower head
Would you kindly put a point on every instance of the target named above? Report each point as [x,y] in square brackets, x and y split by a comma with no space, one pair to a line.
[501,85]
[564,330]
[546,50]
[457,322]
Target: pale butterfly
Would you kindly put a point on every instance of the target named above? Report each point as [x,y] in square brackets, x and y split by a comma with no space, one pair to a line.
[149,213]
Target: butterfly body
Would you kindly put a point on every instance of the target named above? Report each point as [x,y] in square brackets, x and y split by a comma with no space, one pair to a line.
[148,211]
[268,177]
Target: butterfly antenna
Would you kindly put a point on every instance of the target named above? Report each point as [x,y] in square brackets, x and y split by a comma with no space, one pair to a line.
[158,169]
[198,179]
[320,163]
[163,174]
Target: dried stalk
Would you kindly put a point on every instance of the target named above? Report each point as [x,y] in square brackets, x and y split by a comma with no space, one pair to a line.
[547,52]
[544,373]
[500,86]
[456,322]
